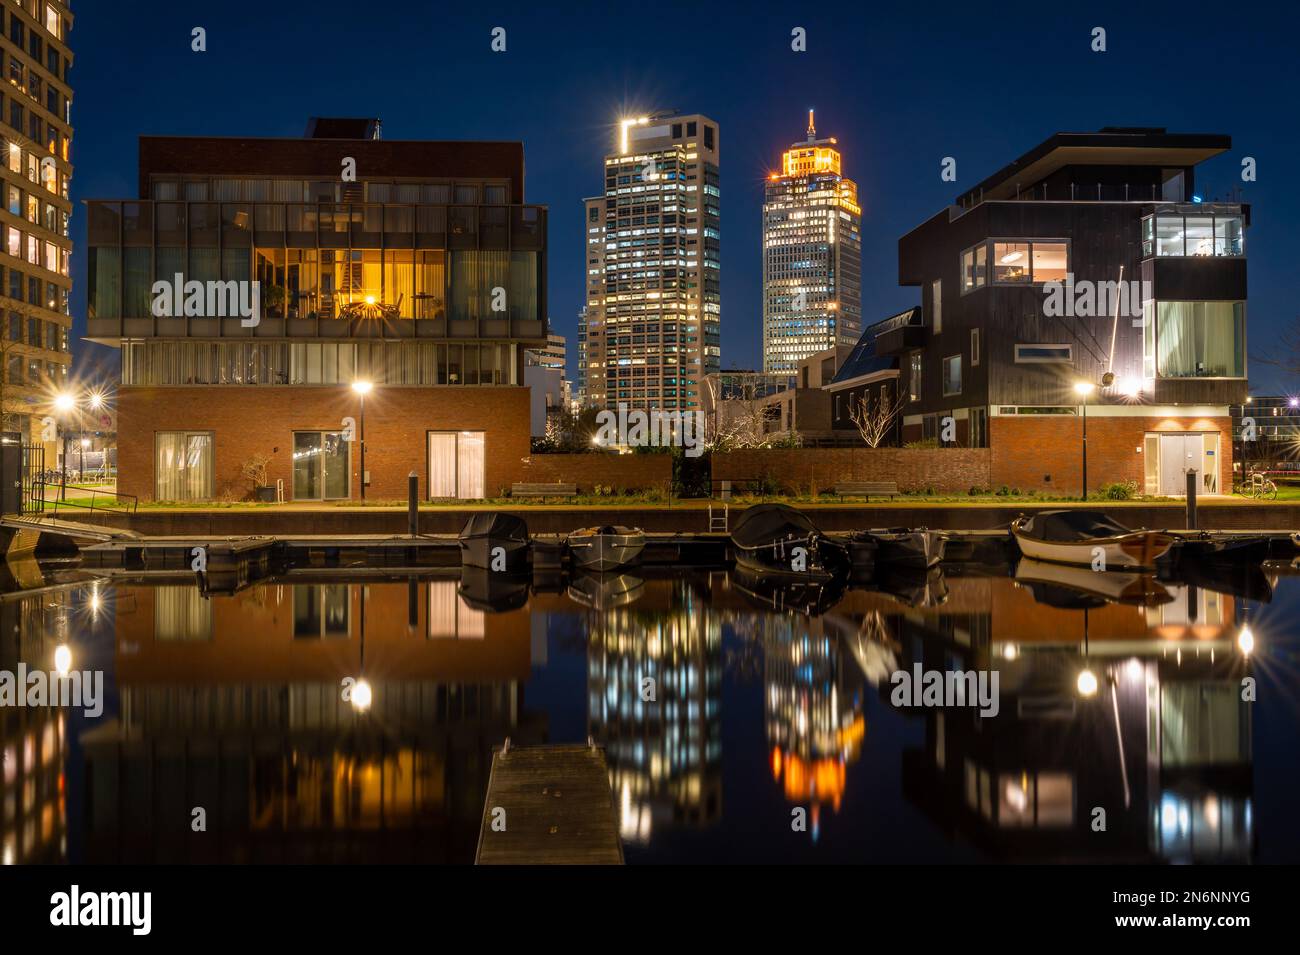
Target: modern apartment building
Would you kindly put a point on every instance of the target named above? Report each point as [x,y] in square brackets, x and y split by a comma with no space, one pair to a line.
[35,252]
[650,331]
[812,255]
[1087,276]
[287,308]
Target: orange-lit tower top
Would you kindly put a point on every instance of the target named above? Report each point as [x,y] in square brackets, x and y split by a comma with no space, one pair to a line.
[814,155]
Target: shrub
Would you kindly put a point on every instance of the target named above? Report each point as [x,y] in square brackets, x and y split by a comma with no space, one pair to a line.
[922,445]
[1118,491]
[1003,491]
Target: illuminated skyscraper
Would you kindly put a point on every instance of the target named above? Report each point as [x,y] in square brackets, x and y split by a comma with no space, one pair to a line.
[812,255]
[651,328]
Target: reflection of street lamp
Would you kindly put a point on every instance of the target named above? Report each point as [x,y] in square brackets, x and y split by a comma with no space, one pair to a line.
[62,659]
[362,388]
[1083,389]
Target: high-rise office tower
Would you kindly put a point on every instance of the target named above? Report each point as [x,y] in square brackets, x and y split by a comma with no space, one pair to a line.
[812,255]
[650,330]
[35,325]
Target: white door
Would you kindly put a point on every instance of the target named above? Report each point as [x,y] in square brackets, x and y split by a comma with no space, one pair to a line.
[1178,453]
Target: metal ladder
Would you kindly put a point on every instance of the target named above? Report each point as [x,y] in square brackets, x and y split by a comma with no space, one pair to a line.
[718,523]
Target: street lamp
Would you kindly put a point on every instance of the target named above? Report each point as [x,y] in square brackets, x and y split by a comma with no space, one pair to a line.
[1083,389]
[64,402]
[362,388]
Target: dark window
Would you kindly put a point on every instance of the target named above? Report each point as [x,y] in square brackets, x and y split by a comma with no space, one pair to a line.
[708,137]
[16,116]
[16,285]
[677,130]
[35,46]
[34,291]
[690,129]
[16,29]
[34,128]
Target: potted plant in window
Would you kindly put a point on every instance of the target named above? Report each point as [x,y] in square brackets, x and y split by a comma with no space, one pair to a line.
[274,296]
[255,473]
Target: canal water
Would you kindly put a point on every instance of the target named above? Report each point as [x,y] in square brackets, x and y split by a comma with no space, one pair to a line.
[742,722]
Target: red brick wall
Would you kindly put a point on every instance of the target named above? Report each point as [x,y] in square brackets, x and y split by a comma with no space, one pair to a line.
[619,471]
[249,421]
[1027,448]
[798,469]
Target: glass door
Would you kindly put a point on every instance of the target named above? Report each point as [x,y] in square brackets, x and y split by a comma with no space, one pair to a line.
[321,466]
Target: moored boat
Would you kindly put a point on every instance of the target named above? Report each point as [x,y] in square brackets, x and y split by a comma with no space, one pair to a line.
[897,547]
[776,539]
[495,541]
[1082,537]
[607,547]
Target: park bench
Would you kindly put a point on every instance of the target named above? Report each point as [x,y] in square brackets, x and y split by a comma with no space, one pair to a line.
[865,489]
[543,490]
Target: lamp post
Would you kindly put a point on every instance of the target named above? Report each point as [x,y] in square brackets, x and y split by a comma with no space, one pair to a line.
[1083,389]
[362,388]
[64,402]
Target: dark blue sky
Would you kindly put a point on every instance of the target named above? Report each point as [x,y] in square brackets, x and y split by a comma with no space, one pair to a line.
[900,85]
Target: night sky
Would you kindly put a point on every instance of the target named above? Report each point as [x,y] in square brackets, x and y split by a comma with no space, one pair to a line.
[901,86]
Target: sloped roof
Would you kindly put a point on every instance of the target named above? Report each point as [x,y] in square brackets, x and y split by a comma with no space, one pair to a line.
[863,360]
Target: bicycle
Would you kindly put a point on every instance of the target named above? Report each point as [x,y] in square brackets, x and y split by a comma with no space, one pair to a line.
[1258,486]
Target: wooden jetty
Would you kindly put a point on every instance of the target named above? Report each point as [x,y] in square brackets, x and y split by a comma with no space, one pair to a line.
[549,805]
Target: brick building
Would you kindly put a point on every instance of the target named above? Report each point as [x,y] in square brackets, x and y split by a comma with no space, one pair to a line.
[1086,284]
[289,307]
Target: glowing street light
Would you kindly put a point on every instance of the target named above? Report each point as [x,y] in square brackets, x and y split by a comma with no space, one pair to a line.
[1087,683]
[361,388]
[1246,640]
[64,401]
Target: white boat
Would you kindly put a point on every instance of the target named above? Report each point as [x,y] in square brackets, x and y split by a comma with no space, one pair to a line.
[608,547]
[1081,537]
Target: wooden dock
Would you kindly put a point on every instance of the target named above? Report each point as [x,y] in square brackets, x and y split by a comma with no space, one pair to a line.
[549,805]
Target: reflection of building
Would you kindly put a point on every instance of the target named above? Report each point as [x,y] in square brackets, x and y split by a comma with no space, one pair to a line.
[812,255]
[234,703]
[33,820]
[421,276]
[654,684]
[651,327]
[1162,745]
[814,719]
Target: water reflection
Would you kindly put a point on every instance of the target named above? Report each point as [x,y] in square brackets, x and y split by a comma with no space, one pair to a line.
[1118,693]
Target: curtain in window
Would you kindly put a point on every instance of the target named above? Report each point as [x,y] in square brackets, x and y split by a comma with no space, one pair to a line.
[469,457]
[138,300]
[105,293]
[183,466]
[442,464]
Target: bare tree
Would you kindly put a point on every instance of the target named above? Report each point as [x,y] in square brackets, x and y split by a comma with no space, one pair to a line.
[875,419]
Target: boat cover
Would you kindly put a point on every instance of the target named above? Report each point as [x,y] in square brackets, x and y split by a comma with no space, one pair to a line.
[1067,526]
[764,523]
[496,525]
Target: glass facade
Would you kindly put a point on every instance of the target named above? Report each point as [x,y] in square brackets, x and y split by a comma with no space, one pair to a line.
[1166,234]
[466,263]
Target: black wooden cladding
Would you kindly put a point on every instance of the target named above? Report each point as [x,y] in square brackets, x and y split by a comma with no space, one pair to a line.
[1105,245]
